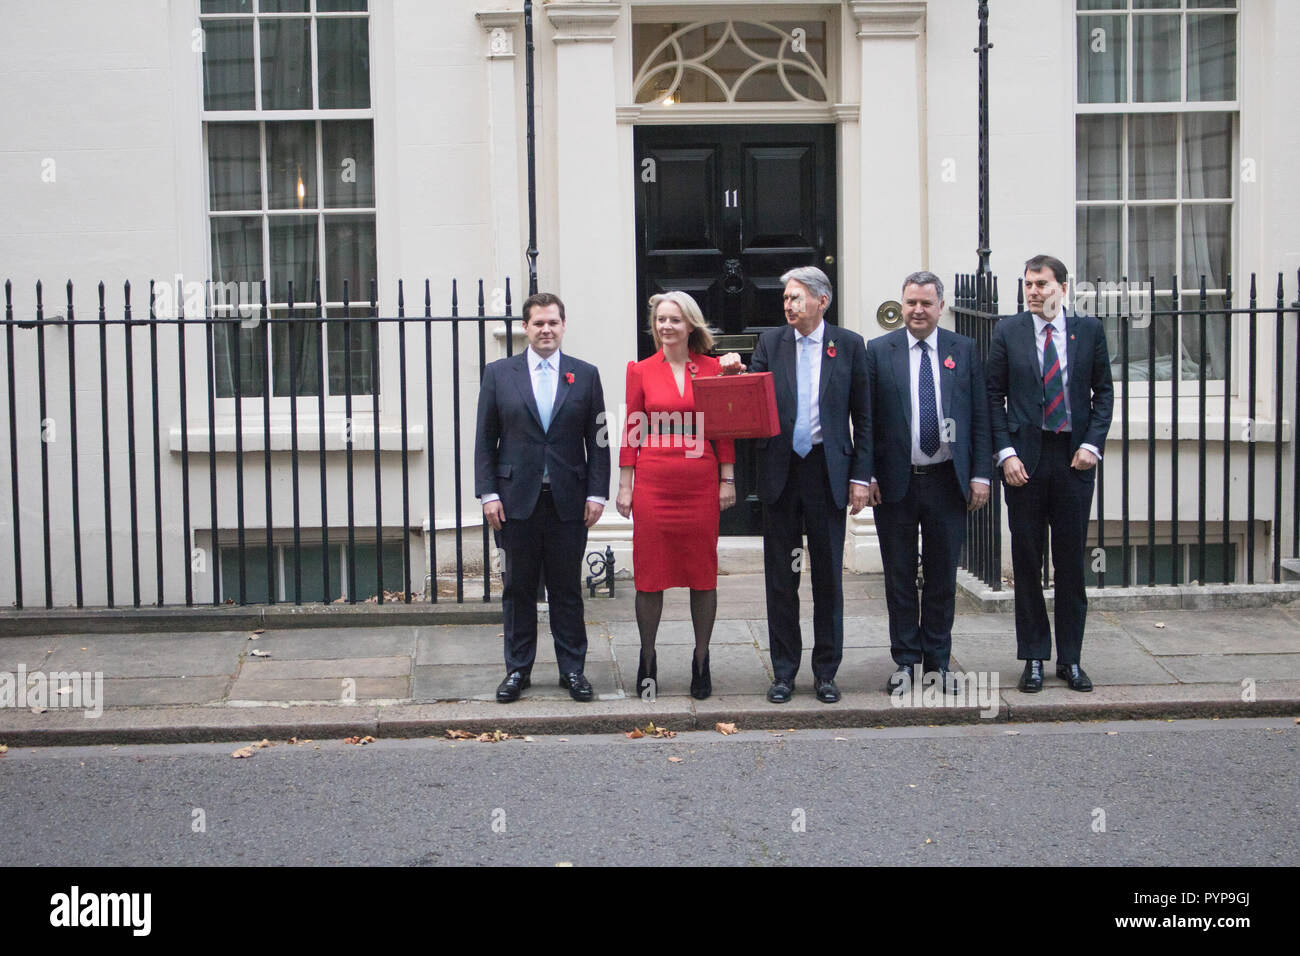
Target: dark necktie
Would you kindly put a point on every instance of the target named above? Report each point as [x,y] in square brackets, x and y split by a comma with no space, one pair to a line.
[1054,417]
[925,398]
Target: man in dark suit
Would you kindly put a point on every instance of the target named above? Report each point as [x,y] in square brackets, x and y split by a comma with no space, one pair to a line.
[808,473]
[1050,397]
[543,479]
[930,456]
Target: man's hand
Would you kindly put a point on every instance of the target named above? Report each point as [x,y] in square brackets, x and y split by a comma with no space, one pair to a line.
[979,496]
[726,495]
[1013,470]
[495,514]
[873,493]
[859,497]
[731,363]
[594,510]
[1083,460]
[624,502]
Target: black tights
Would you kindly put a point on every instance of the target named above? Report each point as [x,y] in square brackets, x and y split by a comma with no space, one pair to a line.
[650,607]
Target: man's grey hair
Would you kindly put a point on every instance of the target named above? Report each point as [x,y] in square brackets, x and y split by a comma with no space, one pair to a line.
[924,278]
[811,278]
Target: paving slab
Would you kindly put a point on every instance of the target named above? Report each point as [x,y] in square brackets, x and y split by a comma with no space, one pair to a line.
[324,643]
[479,681]
[155,691]
[486,645]
[734,669]
[1171,701]
[207,653]
[536,717]
[319,689]
[1245,631]
[335,668]
[625,634]
[28,651]
[1109,657]
[1233,668]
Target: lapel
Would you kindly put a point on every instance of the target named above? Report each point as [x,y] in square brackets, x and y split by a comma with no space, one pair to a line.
[1071,352]
[523,380]
[828,363]
[943,346]
[567,366]
[1026,345]
[902,373]
[786,360]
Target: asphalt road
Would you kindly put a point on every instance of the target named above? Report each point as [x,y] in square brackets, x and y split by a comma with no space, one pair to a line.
[1159,793]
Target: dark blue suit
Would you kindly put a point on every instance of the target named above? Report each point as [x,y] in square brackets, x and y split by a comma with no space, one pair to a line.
[1056,495]
[810,494]
[544,532]
[920,632]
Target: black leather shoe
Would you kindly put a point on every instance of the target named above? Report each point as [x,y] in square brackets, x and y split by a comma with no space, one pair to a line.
[651,675]
[508,690]
[780,691]
[578,686]
[827,692]
[1031,681]
[701,682]
[905,672]
[1074,676]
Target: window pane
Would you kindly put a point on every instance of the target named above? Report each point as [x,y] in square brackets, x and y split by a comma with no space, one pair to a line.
[1152,172]
[286,64]
[1102,4]
[1157,62]
[234,174]
[294,257]
[331,6]
[1206,245]
[237,249]
[1098,243]
[291,165]
[361,336]
[367,581]
[1099,157]
[1207,156]
[350,255]
[1216,324]
[226,6]
[349,163]
[252,359]
[1151,243]
[344,62]
[255,585]
[284,6]
[302,344]
[312,557]
[1212,3]
[228,65]
[1103,52]
[1212,57]
[1155,4]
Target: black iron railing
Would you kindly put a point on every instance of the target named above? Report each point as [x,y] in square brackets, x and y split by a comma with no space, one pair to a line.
[176,493]
[1162,361]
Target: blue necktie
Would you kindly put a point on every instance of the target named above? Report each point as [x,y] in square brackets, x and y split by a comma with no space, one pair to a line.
[545,394]
[802,427]
[1054,416]
[925,398]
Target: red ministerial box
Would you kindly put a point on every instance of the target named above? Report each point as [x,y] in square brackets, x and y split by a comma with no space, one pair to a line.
[737,406]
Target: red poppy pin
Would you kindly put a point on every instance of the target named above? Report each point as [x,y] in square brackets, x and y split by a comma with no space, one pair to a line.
[692,368]
[949,364]
[830,350]
[568,377]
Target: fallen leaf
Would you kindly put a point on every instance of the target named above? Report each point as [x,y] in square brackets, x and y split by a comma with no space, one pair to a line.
[527,739]
[254,636]
[912,786]
[292,740]
[841,738]
[263,744]
[4,748]
[256,653]
[459,735]
[64,690]
[564,740]
[352,740]
[634,734]
[564,863]
[495,737]
[38,710]
[242,752]
[928,840]
[260,630]
[1297,720]
[1012,733]
[1112,733]
[1160,624]
[725,729]
[676,759]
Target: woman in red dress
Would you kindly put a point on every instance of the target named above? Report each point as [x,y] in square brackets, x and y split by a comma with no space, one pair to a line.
[673,483]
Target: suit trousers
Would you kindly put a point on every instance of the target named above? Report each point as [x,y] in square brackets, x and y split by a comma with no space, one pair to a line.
[543,546]
[920,632]
[805,505]
[1059,497]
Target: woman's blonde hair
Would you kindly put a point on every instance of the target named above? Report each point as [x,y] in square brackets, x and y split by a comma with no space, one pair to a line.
[700,340]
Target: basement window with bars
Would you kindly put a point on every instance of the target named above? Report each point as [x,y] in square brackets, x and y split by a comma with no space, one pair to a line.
[1155,129]
[288,127]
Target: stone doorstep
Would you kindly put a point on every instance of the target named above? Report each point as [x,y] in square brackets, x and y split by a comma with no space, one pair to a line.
[1161,597]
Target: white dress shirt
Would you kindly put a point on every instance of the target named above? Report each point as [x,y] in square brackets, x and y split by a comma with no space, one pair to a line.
[534,368]
[1060,340]
[814,347]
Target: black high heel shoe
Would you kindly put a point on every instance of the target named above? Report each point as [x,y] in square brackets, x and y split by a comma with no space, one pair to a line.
[642,675]
[701,682]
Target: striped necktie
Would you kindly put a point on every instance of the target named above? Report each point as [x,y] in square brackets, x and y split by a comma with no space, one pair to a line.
[1054,417]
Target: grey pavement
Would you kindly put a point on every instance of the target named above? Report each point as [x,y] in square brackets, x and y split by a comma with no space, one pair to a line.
[414,679]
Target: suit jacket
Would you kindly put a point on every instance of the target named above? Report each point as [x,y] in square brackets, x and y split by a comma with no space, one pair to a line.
[511,450]
[842,397]
[961,393]
[1015,385]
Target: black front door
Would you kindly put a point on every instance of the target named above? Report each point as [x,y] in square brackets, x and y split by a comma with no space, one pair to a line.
[721,213]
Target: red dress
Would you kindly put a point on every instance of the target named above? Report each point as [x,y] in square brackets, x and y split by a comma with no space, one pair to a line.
[675,489]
